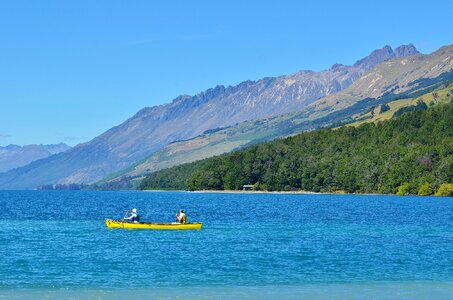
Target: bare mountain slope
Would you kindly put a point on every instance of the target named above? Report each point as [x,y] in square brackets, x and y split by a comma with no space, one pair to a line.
[394,76]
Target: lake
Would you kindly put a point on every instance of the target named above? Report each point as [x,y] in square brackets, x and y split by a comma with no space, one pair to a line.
[54,244]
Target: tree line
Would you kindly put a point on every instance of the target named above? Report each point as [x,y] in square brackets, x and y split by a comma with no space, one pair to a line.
[410,154]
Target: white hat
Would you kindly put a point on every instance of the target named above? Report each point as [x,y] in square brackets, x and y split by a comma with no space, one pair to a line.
[134,210]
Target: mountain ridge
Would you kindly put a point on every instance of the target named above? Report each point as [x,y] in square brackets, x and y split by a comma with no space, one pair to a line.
[152,128]
[322,112]
[15,156]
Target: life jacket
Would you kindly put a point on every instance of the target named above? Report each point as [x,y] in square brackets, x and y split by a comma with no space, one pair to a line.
[136,218]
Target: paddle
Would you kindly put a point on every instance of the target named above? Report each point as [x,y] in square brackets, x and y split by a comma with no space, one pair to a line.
[125,214]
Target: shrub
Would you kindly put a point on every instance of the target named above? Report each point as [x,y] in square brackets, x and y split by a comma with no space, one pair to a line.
[425,189]
[445,189]
[420,106]
[258,186]
[403,189]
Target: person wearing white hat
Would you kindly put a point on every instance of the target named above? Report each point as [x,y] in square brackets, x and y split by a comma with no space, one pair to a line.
[134,217]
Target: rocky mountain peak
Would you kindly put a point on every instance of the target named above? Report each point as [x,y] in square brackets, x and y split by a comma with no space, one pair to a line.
[337,66]
[386,53]
[14,156]
[10,147]
[181,98]
[209,94]
[376,57]
[406,50]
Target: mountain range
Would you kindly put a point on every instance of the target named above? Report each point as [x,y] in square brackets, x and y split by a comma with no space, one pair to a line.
[312,95]
[14,156]
[394,80]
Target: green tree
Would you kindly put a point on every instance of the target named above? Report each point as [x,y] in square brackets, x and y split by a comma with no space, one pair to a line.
[425,189]
[258,186]
[445,189]
[384,108]
[403,189]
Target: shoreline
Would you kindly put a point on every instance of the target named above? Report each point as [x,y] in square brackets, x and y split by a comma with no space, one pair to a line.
[263,192]
[267,192]
[283,193]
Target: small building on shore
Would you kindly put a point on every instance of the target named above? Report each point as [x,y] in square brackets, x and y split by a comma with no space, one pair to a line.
[248,187]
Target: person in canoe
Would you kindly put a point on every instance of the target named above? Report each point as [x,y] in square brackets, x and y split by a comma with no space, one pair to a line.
[182,217]
[133,217]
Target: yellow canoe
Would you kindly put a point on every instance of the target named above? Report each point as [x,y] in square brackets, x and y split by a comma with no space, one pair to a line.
[155,226]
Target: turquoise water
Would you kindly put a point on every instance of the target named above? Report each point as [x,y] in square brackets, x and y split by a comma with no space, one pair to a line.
[56,242]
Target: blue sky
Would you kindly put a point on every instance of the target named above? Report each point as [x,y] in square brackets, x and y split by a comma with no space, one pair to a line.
[69,70]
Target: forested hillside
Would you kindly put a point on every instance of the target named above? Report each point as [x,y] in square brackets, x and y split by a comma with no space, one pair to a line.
[391,81]
[411,154]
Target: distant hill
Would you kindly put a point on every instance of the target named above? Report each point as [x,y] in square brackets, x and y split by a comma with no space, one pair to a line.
[397,79]
[186,117]
[14,156]
[411,154]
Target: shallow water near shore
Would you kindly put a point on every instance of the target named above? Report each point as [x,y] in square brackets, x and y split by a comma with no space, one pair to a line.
[401,290]
[55,245]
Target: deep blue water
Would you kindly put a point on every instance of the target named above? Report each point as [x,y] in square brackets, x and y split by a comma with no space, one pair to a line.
[52,239]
